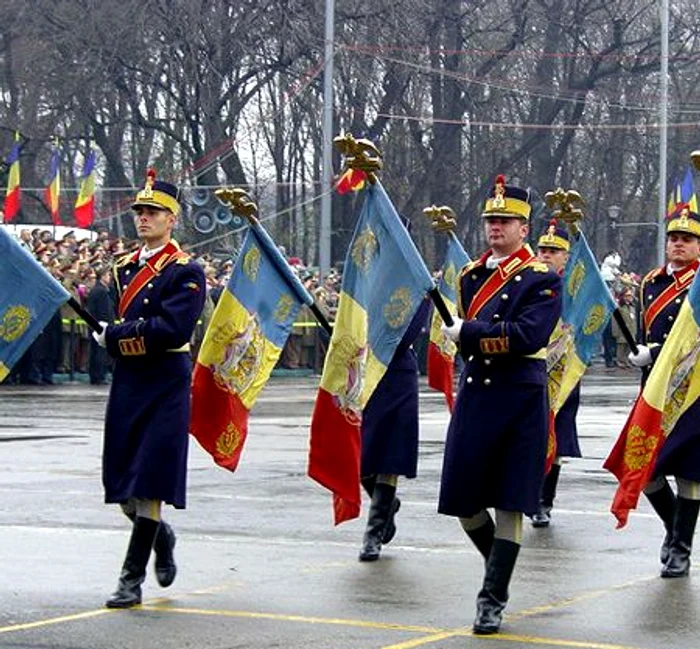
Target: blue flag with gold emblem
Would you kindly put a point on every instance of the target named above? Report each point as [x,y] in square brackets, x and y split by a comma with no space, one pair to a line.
[587,306]
[248,330]
[384,282]
[29,296]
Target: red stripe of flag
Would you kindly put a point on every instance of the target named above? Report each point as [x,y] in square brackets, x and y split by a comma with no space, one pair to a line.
[441,373]
[218,420]
[334,455]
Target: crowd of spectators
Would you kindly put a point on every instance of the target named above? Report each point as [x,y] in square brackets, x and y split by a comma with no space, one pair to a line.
[83,267]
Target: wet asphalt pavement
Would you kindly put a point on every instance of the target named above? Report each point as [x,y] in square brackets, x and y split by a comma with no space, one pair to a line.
[261,565]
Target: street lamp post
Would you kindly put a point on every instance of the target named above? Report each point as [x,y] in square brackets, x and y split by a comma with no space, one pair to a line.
[614,214]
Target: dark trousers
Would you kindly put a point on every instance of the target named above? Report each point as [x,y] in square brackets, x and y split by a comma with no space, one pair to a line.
[98,363]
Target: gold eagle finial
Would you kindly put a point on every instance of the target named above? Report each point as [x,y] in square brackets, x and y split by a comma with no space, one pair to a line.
[443,218]
[238,201]
[359,154]
[565,206]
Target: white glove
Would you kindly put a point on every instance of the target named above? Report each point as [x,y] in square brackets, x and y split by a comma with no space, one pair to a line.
[642,358]
[100,337]
[453,331]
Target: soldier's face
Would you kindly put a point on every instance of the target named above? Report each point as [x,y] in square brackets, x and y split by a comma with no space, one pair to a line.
[682,248]
[505,235]
[555,258]
[153,225]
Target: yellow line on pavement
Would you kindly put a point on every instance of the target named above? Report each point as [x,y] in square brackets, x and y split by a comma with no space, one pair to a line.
[54,620]
[576,599]
[295,618]
[554,642]
[419,642]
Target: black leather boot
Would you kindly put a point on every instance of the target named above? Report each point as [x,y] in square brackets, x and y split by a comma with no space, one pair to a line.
[493,596]
[549,492]
[165,562]
[678,563]
[482,537]
[383,499]
[369,483]
[664,503]
[128,593]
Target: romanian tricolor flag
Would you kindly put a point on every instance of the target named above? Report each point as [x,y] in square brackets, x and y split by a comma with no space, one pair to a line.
[441,350]
[657,417]
[84,210]
[12,197]
[587,306]
[53,190]
[242,344]
[683,192]
[384,282]
[29,297]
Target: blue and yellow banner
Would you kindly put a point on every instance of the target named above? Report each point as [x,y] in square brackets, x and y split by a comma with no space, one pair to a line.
[441,350]
[242,344]
[384,282]
[587,306]
[29,297]
[672,387]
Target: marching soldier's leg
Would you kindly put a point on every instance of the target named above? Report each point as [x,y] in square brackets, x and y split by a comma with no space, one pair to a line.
[480,530]
[663,500]
[163,546]
[368,483]
[687,506]
[390,530]
[165,561]
[380,523]
[549,492]
[143,534]
[493,595]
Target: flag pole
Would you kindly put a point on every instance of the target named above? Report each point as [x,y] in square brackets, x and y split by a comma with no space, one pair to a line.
[90,319]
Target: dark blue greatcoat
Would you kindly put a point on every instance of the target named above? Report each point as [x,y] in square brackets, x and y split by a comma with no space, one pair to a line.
[390,418]
[147,423]
[680,454]
[497,437]
[565,425]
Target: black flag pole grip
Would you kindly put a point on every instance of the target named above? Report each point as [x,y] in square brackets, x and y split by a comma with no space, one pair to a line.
[322,320]
[90,319]
[626,333]
[441,306]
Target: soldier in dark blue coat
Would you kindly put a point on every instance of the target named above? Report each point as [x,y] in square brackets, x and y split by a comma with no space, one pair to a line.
[160,293]
[390,438]
[553,249]
[661,294]
[508,304]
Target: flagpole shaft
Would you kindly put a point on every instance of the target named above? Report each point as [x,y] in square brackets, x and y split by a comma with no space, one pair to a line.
[441,306]
[322,320]
[90,319]
[626,333]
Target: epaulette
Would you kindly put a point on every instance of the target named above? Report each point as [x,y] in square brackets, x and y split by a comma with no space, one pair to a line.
[122,259]
[538,266]
[182,258]
[471,265]
[654,272]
